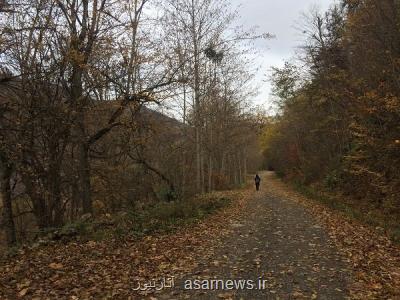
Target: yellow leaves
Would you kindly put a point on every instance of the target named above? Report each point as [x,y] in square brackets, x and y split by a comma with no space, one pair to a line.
[297,295]
[146,96]
[91,244]
[226,296]
[76,57]
[23,292]
[391,103]
[216,263]
[371,95]
[56,266]
[164,266]
[374,259]
[270,133]
[377,286]
[24,284]
[23,288]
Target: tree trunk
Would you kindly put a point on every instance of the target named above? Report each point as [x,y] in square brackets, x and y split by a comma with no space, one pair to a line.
[239,169]
[198,159]
[210,171]
[8,221]
[244,166]
[79,102]
[38,203]
[55,202]
[83,45]
[202,172]
[223,163]
[75,204]
[199,180]
[84,175]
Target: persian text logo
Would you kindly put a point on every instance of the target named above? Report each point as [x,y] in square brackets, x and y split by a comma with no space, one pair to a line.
[157,285]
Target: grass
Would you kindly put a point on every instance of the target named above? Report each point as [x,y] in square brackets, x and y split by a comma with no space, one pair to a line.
[368,215]
[161,217]
[168,216]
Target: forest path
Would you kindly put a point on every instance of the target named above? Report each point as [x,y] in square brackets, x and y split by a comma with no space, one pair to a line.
[278,241]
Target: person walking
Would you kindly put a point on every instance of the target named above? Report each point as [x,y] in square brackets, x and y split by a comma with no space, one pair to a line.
[257,181]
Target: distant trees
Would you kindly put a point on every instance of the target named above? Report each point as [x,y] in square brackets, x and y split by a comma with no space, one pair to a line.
[339,125]
[216,74]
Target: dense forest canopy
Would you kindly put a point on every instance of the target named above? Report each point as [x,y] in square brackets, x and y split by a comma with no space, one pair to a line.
[339,121]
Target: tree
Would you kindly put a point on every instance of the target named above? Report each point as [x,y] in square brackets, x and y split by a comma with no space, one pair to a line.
[5,185]
[341,123]
[211,80]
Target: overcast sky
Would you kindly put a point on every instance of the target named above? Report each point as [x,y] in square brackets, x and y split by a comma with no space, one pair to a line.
[278,17]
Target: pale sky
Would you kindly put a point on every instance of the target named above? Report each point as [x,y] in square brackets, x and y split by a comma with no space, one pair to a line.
[278,17]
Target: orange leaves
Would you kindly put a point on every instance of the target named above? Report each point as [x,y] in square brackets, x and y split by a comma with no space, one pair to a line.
[75,57]
[375,260]
[111,268]
[371,94]
[23,292]
[56,266]
[392,103]
[23,288]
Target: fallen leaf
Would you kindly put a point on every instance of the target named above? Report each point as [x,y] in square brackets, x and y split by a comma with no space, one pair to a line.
[56,266]
[23,292]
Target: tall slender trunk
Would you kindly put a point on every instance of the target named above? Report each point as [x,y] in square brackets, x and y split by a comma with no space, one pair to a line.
[244,166]
[199,181]
[183,186]
[83,45]
[210,172]
[82,143]
[235,170]
[84,174]
[75,205]
[198,160]
[40,209]
[223,163]
[239,169]
[202,172]
[8,221]
[55,202]
[210,161]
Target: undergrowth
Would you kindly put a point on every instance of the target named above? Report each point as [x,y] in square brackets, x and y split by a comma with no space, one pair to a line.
[369,215]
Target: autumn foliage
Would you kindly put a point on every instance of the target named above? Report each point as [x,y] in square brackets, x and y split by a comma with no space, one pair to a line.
[338,126]
[85,89]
